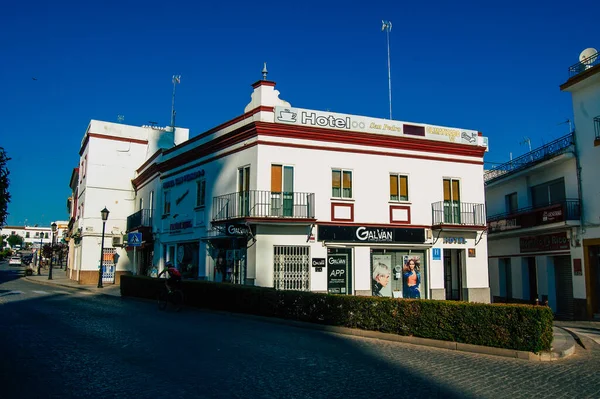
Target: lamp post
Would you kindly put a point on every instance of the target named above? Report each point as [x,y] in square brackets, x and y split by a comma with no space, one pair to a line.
[40,254]
[104,213]
[53,225]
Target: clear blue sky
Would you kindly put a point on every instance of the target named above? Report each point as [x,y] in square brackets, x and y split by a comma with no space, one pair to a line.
[494,68]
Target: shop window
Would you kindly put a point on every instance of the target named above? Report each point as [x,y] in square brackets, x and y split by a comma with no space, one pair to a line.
[398,187]
[167,203]
[200,192]
[398,274]
[188,255]
[341,183]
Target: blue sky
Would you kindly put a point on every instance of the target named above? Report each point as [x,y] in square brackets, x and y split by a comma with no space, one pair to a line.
[495,68]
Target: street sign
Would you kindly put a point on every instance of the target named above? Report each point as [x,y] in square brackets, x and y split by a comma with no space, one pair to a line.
[134,239]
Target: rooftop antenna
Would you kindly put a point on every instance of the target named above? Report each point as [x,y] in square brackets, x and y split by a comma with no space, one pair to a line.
[265,72]
[387,27]
[120,118]
[152,123]
[565,122]
[588,57]
[176,80]
[526,140]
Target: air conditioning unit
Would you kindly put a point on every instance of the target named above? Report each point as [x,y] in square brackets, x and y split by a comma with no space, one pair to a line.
[117,241]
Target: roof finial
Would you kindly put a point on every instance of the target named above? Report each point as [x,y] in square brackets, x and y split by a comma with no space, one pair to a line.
[265,72]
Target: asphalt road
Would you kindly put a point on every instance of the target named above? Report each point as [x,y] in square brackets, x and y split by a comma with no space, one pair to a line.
[66,343]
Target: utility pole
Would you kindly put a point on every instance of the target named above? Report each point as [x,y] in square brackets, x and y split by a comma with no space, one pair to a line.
[387,27]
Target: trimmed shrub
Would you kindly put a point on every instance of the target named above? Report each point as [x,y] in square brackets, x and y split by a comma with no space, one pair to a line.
[518,327]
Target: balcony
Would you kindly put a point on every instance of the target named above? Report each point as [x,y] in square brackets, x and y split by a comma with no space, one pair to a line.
[264,204]
[584,65]
[142,218]
[597,127]
[562,211]
[457,213]
[548,151]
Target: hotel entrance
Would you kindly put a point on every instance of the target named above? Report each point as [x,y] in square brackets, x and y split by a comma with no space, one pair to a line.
[453,274]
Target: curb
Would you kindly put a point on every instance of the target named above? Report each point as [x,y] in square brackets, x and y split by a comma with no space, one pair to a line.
[83,288]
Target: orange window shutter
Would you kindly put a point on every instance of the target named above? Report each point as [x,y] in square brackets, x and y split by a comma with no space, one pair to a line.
[347,179]
[393,185]
[335,179]
[455,191]
[404,186]
[276,178]
[446,190]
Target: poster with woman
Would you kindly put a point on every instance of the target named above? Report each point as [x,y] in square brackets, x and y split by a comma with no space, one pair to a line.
[382,268]
[411,276]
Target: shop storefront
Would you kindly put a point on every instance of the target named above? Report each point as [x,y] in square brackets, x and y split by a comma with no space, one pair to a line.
[392,260]
[228,250]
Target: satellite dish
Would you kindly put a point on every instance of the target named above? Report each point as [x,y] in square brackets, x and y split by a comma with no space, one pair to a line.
[588,56]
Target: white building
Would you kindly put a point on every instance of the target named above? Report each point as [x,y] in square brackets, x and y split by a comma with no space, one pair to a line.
[33,236]
[110,153]
[300,199]
[544,213]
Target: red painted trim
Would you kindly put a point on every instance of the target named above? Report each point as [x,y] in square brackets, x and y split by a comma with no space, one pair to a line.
[369,152]
[406,207]
[345,205]
[368,139]
[149,160]
[413,226]
[86,139]
[480,134]
[222,126]
[263,83]
[265,219]
[531,254]
[114,138]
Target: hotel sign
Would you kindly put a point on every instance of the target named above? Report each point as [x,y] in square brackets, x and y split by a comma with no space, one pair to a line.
[332,120]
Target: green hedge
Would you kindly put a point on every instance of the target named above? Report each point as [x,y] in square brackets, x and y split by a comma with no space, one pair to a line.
[519,327]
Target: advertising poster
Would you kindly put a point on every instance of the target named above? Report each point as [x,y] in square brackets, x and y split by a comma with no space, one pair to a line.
[337,273]
[382,269]
[411,276]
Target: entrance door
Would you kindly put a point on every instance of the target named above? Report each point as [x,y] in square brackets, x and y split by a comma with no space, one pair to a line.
[244,191]
[564,286]
[339,271]
[532,273]
[453,274]
[594,261]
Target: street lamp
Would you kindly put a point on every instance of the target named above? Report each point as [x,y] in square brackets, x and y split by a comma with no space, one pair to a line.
[53,225]
[104,212]
[40,254]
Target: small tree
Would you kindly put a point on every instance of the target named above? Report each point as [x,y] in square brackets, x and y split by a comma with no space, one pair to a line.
[4,183]
[14,239]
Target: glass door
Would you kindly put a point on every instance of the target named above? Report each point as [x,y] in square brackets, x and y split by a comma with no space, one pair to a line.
[244,191]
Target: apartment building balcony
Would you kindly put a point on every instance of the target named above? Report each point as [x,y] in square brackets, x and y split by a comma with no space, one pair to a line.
[584,65]
[551,150]
[139,219]
[264,205]
[563,211]
[457,214]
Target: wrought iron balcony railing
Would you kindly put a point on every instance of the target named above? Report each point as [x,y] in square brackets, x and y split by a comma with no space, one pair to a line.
[264,204]
[458,213]
[142,218]
[585,64]
[548,151]
[569,209]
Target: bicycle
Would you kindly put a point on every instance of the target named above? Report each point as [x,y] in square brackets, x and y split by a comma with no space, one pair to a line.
[175,297]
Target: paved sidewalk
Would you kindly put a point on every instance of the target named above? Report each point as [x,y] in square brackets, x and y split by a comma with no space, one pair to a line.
[59,278]
[563,345]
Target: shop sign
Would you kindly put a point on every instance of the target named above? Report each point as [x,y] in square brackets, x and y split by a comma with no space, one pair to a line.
[337,267]
[178,226]
[236,230]
[318,262]
[545,242]
[577,269]
[181,179]
[551,214]
[455,240]
[370,234]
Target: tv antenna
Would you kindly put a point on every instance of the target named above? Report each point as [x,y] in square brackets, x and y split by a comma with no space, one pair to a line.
[152,123]
[526,140]
[588,57]
[120,118]
[565,122]
[176,80]
[387,27]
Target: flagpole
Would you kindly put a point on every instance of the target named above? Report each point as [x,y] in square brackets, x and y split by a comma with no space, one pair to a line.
[176,79]
[387,26]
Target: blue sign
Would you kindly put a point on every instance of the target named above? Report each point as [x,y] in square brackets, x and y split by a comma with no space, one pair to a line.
[437,254]
[134,239]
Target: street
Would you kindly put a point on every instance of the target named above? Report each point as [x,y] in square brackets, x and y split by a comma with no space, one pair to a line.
[66,343]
